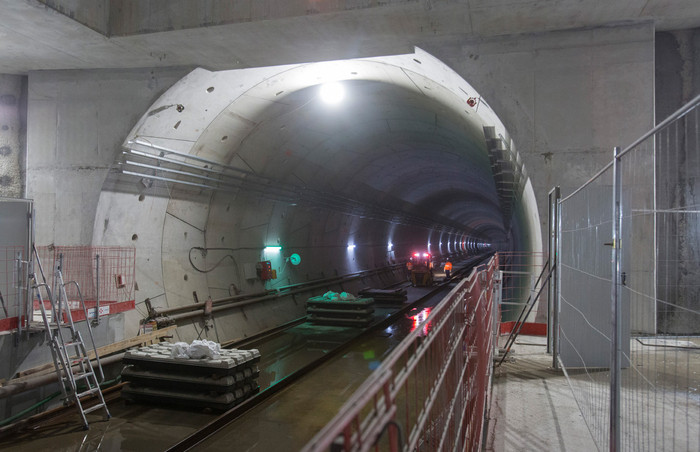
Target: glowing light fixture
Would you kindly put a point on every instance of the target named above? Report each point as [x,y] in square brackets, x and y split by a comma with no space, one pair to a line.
[351,247]
[272,249]
[332,93]
[294,259]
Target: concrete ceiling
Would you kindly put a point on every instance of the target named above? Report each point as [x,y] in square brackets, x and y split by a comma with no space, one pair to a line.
[411,153]
[73,34]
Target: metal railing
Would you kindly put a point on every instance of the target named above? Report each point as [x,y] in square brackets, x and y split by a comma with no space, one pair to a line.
[431,392]
[10,285]
[628,284]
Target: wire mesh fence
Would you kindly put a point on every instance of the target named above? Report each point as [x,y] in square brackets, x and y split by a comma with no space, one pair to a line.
[104,273]
[9,281]
[629,280]
[585,281]
[523,278]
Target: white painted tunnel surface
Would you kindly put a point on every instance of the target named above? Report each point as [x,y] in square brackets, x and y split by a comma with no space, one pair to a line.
[403,159]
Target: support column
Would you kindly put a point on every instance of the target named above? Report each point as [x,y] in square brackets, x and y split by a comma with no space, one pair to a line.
[12,136]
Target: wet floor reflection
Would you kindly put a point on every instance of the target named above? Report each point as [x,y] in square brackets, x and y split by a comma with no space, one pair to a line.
[289,419]
[286,421]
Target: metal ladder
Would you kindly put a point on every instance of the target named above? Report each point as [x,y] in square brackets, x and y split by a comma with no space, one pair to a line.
[71,370]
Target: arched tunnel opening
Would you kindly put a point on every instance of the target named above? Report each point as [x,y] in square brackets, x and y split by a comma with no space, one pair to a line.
[231,168]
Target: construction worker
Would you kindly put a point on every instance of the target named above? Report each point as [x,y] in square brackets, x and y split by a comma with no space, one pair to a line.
[448,269]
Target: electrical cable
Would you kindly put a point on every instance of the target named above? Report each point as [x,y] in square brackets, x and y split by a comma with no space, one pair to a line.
[204,252]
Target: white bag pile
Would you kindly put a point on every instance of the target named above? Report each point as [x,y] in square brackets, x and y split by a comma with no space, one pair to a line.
[196,350]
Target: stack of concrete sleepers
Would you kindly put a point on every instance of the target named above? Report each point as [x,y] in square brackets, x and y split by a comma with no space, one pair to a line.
[338,312]
[155,376]
[385,295]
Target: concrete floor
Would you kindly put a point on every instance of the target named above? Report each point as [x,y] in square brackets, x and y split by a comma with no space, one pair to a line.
[533,408]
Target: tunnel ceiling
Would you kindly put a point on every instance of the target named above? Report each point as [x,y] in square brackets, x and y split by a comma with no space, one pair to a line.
[411,143]
[384,146]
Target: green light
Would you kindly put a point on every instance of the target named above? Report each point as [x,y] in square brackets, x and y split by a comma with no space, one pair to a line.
[295,259]
[271,249]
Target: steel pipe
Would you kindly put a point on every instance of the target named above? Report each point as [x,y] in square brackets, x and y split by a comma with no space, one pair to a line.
[35,382]
[231,302]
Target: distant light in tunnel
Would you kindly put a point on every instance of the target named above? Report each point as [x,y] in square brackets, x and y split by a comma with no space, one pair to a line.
[351,247]
[332,93]
[390,246]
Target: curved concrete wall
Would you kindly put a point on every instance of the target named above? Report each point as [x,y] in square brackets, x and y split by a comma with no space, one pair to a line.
[410,145]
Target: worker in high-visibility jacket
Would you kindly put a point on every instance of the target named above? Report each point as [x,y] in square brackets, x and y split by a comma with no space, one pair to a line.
[448,269]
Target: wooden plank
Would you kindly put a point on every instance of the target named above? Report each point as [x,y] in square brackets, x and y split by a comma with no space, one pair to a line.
[143,339]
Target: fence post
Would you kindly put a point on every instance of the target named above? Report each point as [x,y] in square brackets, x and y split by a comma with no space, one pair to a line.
[616,348]
[552,311]
[96,320]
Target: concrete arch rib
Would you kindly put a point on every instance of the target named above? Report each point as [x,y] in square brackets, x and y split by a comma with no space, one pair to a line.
[311,178]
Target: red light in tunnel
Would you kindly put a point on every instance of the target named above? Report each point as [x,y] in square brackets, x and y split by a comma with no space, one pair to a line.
[420,318]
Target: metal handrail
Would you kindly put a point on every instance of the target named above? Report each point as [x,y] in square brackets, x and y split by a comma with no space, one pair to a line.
[383,377]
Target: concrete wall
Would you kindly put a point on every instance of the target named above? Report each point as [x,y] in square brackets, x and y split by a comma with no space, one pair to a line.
[77,121]
[13,120]
[567,98]
[677,82]
[677,70]
[92,13]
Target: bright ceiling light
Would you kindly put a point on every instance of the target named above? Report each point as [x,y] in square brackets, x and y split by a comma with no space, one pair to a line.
[332,93]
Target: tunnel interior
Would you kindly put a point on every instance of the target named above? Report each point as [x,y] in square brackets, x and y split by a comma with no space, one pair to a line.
[235,169]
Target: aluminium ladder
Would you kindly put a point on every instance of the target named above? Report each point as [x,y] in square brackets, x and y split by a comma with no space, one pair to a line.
[72,366]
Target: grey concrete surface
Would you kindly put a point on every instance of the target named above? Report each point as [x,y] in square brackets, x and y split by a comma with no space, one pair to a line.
[78,119]
[532,407]
[568,83]
[76,122]
[277,32]
[12,136]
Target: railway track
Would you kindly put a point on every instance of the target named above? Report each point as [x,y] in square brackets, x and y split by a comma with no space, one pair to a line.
[206,427]
[231,415]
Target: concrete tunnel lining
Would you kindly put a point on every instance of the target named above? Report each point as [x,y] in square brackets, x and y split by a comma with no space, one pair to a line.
[248,119]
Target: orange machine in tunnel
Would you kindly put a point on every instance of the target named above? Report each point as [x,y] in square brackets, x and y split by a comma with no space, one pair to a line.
[420,267]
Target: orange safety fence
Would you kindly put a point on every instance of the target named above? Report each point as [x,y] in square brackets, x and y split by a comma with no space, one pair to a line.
[115,280]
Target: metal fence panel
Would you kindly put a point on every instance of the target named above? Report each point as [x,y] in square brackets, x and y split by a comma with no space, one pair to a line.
[15,242]
[648,399]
